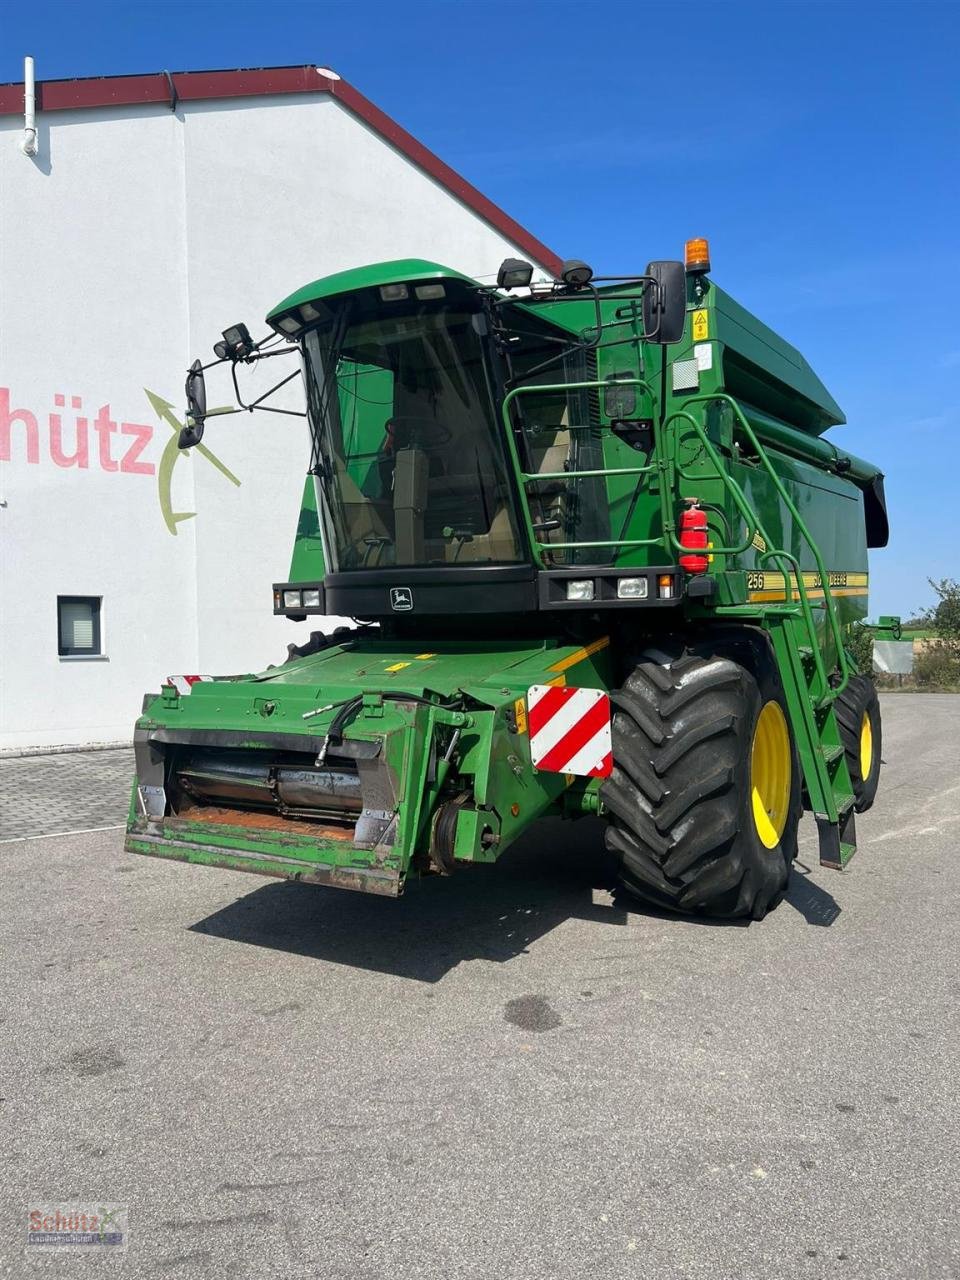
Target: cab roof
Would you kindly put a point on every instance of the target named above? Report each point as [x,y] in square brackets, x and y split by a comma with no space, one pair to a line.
[399,271]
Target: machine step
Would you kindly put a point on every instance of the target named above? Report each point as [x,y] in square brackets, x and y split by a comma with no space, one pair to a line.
[838,840]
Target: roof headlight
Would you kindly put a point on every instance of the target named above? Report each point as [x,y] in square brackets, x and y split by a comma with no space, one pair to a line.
[514,273]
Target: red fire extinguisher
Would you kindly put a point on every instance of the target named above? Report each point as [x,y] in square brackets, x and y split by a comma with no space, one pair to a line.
[693,537]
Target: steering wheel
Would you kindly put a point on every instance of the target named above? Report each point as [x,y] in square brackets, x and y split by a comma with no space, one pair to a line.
[408,431]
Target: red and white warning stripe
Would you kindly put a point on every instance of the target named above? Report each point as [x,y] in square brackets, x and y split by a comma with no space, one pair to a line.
[183,684]
[570,730]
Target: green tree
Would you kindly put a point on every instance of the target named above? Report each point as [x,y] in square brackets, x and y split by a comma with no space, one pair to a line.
[938,665]
[944,617]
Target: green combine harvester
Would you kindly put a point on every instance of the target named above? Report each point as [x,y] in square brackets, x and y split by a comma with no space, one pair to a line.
[601,560]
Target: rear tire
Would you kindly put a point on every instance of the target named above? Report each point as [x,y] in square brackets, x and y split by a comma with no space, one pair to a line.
[681,796]
[858,718]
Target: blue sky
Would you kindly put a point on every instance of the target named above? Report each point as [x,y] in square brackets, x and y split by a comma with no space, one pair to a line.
[816,144]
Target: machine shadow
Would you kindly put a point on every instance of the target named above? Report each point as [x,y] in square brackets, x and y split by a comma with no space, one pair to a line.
[482,912]
[816,905]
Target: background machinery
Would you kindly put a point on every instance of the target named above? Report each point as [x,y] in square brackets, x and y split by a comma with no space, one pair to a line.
[602,559]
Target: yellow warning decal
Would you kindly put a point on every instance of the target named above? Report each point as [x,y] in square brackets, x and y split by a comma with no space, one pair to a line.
[422,657]
[520,715]
[758,542]
[701,326]
[398,666]
[579,654]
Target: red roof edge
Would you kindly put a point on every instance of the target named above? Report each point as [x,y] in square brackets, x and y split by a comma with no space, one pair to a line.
[194,86]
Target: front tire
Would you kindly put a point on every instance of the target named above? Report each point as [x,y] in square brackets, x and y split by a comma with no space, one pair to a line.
[704,798]
[858,719]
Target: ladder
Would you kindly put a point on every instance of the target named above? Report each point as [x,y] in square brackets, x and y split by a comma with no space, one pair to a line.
[810,691]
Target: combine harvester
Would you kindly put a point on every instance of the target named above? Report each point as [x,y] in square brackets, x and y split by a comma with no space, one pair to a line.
[603,561]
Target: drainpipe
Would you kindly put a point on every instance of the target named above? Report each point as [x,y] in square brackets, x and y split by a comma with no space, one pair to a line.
[28,143]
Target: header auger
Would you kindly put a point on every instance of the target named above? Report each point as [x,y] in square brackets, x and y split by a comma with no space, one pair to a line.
[602,559]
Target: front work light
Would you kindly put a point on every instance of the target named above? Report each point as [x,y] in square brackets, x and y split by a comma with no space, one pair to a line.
[290,324]
[237,343]
[631,588]
[514,273]
[291,600]
[427,292]
[394,292]
[580,589]
[311,599]
[576,273]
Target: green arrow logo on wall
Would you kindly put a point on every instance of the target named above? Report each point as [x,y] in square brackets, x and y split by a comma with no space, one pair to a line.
[168,459]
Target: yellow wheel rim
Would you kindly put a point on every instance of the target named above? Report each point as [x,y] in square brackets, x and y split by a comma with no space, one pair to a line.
[771,768]
[866,746]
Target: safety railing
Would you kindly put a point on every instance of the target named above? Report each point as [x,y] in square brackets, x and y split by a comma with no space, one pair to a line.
[664,464]
[792,577]
[529,478]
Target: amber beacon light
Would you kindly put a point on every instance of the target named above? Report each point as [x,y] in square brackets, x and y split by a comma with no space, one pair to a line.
[696,254]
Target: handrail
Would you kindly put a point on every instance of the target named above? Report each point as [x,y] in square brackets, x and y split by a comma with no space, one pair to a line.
[823,680]
[740,498]
[612,542]
[526,477]
[532,476]
[834,624]
[664,451]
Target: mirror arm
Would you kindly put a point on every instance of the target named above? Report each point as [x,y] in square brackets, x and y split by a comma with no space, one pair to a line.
[268,355]
[256,404]
[211,365]
[289,413]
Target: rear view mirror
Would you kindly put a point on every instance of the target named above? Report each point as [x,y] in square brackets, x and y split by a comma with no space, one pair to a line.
[196,393]
[665,302]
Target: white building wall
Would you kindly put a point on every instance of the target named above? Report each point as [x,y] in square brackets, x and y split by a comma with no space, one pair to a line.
[128,244]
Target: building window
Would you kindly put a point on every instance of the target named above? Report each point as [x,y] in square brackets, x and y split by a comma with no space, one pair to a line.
[78,620]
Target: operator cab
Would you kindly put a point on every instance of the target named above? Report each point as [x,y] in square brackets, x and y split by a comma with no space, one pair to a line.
[459,443]
[405,381]
[407,449]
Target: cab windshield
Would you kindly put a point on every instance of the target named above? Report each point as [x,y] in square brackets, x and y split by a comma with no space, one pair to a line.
[406,445]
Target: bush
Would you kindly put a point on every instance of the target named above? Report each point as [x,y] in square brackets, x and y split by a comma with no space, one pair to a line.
[937,666]
[860,649]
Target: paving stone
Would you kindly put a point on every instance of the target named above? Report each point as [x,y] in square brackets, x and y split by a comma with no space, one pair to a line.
[64,791]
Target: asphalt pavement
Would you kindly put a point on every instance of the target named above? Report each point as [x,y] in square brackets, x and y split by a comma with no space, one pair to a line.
[507,1075]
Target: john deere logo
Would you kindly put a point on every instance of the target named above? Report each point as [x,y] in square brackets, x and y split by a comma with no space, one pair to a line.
[401,599]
